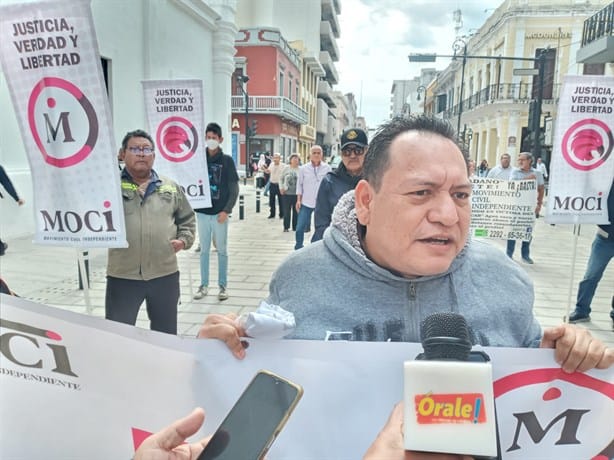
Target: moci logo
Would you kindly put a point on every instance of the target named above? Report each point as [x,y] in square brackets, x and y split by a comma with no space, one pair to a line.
[587,144]
[177,139]
[555,413]
[35,348]
[194,190]
[94,220]
[62,121]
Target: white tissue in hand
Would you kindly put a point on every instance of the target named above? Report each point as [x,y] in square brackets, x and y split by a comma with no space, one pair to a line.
[267,322]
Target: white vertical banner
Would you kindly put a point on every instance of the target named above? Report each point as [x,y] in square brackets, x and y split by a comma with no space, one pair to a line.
[176,121]
[582,164]
[50,58]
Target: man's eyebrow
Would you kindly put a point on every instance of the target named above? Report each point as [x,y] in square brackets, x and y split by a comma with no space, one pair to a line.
[466,186]
[429,183]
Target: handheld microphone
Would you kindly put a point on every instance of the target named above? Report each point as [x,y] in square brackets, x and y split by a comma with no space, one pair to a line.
[449,400]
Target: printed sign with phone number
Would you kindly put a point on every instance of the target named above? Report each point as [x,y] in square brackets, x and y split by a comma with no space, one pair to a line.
[500,234]
[503,209]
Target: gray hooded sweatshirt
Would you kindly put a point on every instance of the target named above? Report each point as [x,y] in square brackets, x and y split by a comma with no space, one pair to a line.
[335,290]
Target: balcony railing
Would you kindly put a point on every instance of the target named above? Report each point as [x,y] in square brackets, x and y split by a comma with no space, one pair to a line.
[521,93]
[599,25]
[272,105]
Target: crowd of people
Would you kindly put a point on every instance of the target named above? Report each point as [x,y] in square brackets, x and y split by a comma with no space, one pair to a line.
[307,192]
[402,231]
[391,221]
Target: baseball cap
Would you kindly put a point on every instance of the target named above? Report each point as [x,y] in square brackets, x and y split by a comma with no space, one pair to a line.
[353,136]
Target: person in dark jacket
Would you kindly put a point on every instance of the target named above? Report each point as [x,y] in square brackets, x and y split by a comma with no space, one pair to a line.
[8,186]
[602,252]
[354,145]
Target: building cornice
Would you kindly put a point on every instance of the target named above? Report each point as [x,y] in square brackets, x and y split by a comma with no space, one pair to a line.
[200,11]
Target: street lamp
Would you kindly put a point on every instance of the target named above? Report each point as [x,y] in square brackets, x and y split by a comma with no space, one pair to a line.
[469,134]
[539,60]
[459,44]
[242,80]
[420,90]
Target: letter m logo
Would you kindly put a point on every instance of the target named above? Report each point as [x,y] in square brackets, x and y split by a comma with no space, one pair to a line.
[52,131]
[571,421]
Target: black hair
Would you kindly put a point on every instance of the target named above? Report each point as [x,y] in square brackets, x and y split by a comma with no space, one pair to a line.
[136,133]
[377,158]
[214,128]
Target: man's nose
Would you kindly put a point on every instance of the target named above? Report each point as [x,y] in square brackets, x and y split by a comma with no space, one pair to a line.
[444,210]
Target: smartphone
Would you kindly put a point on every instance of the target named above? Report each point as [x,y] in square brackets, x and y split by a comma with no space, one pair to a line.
[255,420]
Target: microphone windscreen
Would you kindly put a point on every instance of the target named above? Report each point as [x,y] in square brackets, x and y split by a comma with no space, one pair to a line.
[445,336]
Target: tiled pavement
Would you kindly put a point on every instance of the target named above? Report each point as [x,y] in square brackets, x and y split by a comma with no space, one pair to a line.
[257,245]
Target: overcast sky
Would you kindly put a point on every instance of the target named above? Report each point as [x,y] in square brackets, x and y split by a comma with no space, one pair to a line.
[378,35]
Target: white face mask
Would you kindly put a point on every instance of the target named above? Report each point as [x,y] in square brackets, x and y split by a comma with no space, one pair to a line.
[212,144]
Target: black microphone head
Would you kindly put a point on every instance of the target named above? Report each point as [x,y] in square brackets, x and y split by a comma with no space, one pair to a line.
[445,336]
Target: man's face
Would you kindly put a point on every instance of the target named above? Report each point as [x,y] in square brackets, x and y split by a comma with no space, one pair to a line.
[138,162]
[276,159]
[418,221]
[353,156]
[294,162]
[524,162]
[316,156]
[505,161]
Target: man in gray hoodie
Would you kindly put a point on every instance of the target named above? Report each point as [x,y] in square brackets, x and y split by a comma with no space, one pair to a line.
[399,250]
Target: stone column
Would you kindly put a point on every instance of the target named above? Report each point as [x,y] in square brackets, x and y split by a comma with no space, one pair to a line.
[513,130]
[219,109]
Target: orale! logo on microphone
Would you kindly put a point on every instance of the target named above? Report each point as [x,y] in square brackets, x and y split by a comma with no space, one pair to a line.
[450,408]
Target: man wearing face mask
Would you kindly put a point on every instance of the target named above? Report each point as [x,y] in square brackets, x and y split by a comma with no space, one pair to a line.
[213,221]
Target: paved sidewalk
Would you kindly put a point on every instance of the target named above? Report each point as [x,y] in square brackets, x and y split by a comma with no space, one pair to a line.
[256,247]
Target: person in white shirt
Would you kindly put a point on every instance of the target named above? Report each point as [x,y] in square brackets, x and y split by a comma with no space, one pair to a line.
[503,170]
[310,176]
[274,170]
[541,167]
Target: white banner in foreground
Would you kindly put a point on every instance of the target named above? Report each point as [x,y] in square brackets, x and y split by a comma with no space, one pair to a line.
[176,119]
[50,57]
[73,386]
[582,164]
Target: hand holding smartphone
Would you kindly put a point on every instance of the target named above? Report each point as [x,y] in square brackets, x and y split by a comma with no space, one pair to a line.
[255,420]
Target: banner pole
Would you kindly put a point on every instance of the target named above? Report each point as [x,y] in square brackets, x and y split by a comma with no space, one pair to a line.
[189,267]
[571,305]
[85,280]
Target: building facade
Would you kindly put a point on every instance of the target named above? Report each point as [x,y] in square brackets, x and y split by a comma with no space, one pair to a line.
[487,91]
[272,93]
[313,28]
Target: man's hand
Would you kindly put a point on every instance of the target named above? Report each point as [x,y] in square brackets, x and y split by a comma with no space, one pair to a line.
[575,349]
[178,245]
[21,201]
[224,327]
[168,444]
[222,217]
[389,443]
[298,205]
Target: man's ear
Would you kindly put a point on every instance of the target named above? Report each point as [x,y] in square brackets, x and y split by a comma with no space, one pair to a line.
[121,155]
[363,198]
